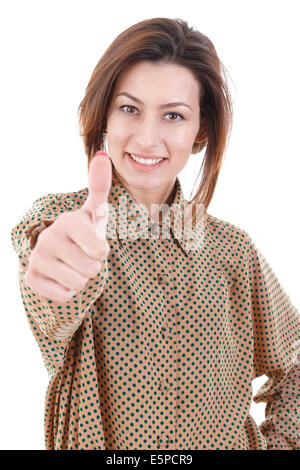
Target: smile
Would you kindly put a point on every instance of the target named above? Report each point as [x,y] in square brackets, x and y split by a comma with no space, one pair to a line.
[145,164]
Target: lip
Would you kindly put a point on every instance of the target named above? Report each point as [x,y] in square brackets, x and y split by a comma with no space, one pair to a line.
[143,167]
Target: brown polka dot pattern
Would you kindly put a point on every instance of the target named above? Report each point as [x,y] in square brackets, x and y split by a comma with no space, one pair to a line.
[159,350]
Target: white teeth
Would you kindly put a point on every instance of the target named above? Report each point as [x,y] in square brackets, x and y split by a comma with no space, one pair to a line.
[147,161]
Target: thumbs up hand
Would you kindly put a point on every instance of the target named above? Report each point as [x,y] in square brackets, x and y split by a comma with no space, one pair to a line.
[71,250]
[95,206]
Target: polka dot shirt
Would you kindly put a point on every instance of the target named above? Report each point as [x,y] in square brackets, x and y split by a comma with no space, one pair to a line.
[159,350]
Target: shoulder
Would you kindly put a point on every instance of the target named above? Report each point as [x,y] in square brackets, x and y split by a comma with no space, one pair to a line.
[72,200]
[52,204]
[225,236]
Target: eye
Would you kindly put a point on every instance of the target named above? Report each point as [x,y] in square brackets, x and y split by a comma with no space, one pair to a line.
[176,115]
[133,107]
[127,106]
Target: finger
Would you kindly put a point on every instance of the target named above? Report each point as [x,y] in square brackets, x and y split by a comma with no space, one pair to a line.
[58,271]
[72,255]
[50,289]
[81,234]
[100,178]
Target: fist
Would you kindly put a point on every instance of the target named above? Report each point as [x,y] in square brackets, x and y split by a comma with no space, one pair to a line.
[71,250]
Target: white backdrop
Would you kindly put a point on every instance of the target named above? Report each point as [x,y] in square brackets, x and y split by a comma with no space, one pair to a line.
[48,52]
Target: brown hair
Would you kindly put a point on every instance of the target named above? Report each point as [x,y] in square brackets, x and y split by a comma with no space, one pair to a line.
[171,41]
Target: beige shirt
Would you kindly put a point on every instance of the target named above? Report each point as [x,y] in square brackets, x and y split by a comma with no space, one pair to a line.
[160,349]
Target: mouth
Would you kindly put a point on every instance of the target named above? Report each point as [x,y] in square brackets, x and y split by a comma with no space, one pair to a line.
[146,164]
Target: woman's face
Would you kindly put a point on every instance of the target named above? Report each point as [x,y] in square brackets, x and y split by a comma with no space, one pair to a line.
[143,124]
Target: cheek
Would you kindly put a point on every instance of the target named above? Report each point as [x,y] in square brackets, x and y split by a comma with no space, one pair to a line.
[119,124]
[180,150]
[117,140]
[179,160]
[182,142]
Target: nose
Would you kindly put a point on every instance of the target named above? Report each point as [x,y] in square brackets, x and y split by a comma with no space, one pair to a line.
[148,135]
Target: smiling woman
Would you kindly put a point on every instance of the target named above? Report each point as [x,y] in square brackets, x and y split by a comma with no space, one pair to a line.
[167,69]
[160,348]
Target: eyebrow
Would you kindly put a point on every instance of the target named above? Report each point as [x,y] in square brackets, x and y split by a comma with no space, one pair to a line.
[166,105]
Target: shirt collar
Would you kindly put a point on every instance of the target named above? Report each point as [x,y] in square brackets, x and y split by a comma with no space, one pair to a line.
[131,220]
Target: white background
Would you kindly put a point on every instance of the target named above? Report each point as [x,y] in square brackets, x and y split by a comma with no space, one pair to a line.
[48,52]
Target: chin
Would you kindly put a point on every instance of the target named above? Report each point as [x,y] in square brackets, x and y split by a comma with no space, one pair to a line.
[144,181]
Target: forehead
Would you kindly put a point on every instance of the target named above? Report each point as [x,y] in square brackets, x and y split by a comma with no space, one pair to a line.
[162,81]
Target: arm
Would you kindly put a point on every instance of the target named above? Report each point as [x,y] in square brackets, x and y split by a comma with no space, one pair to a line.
[276,331]
[52,323]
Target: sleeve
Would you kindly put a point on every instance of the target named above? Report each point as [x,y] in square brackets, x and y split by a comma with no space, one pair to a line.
[52,323]
[33,232]
[276,332]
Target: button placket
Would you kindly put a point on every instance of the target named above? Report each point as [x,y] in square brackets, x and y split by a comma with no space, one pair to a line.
[165,387]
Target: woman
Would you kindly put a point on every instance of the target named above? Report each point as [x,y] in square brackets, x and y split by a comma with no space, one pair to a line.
[159,349]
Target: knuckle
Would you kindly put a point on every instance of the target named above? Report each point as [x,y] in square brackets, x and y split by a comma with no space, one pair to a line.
[97,251]
[95,269]
[79,283]
[31,277]
[61,295]
[73,284]
[44,234]
[36,255]
[61,298]
[63,221]
[35,261]
[68,296]
[106,250]
[44,242]
[83,283]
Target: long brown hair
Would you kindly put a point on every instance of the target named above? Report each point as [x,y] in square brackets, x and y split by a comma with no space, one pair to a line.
[169,41]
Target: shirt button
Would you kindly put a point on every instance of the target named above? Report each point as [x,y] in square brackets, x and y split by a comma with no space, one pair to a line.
[162,278]
[164,386]
[166,331]
[163,440]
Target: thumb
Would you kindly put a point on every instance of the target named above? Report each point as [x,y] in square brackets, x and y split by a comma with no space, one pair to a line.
[100,179]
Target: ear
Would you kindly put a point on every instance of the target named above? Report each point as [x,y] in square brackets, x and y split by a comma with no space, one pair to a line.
[202,134]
